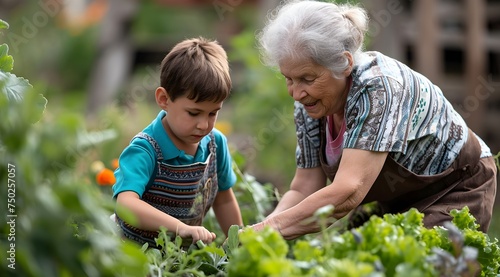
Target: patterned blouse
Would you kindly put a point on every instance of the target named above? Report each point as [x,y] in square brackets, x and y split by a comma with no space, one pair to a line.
[391,108]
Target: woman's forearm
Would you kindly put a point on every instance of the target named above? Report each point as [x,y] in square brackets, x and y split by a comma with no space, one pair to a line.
[289,199]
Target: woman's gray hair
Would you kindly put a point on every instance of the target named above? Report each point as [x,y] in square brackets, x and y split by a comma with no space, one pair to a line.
[317,30]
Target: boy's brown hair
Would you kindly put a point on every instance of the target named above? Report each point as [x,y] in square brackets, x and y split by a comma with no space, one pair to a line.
[197,68]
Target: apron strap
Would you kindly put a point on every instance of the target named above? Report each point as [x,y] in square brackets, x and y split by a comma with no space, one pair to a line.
[152,141]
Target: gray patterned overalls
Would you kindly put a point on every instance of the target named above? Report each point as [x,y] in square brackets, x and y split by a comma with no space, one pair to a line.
[185,192]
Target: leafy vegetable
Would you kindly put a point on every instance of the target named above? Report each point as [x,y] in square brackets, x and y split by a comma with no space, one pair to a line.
[15,87]
[4,25]
[6,61]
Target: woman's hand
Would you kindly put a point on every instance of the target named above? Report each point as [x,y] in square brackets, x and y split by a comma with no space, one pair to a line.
[196,233]
[271,222]
[357,171]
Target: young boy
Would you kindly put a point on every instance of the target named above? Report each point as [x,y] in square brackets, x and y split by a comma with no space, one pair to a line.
[179,166]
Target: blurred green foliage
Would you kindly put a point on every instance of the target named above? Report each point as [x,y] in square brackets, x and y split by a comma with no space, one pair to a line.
[51,200]
[152,23]
[155,24]
[55,224]
[262,110]
[78,53]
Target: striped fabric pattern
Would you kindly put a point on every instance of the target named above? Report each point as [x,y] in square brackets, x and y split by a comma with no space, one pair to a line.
[395,109]
[178,191]
[185,192]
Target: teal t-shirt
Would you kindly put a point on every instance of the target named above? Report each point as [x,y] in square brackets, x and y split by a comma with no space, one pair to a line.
[138,160]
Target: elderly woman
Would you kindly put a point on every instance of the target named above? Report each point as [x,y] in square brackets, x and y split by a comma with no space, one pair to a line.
[378,130]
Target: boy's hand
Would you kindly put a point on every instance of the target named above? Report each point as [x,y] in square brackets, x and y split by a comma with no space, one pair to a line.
[196,233]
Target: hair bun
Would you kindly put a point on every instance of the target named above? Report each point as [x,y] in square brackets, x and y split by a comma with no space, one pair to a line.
[358,17]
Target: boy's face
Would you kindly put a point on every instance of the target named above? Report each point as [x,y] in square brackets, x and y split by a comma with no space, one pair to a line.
[187,122]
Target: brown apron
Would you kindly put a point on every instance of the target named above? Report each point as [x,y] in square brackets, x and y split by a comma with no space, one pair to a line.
[469,181]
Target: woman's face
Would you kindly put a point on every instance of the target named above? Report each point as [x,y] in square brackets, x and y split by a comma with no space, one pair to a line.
[314,86]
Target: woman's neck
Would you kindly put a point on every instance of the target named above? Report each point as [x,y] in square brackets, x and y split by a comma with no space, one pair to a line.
[335,123]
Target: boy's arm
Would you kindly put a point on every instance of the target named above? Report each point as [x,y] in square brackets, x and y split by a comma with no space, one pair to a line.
[226,210]
[150,218]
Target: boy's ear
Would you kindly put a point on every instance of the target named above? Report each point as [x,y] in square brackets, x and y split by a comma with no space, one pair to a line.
[161,96]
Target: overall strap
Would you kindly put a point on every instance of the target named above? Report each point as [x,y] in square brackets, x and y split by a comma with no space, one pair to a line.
[152,141]
[212,145]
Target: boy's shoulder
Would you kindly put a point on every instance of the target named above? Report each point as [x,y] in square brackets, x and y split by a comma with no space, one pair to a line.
[143,140]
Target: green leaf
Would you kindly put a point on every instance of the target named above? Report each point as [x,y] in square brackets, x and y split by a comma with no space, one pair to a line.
[208,269]
[6,61]
[41,104]
[4,25]
[14,87]
[463,219]
[232,240]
